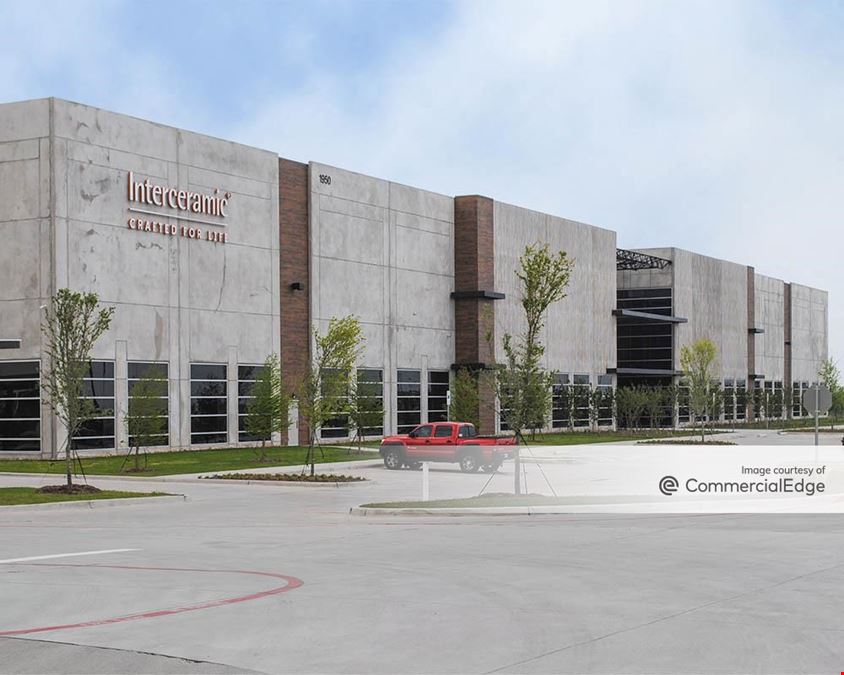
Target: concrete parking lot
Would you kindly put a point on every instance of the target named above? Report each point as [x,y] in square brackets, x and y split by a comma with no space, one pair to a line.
[274,578]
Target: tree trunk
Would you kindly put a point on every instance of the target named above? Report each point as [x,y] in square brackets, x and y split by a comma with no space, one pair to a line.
[68,457]
[137,458]
[517,465]
[311,454]
[702,431]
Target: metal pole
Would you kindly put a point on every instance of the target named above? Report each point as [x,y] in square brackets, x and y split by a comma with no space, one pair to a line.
[424,481]
[817,396]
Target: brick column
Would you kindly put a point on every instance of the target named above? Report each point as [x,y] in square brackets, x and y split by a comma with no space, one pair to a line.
[294,239]
[474,297]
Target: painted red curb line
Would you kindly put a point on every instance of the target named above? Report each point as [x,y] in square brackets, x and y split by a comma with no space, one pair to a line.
[292,583]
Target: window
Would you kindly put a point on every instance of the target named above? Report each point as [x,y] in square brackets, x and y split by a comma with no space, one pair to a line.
[371,389]
[209,406]
[467,431]
[797,389]
[20,406]
[338,425]
[437,395]
[561,401]
[98,389]
[246,378]
[160,373]
[741,399]
[604,389]
[423,432]
[443,431]
[683,411]
[729,399]
[581,392]
[408,399]
[645,343]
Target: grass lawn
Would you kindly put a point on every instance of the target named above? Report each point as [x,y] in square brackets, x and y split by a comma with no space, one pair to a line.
[188,461]
[582,437]
[502,499]
[11,496]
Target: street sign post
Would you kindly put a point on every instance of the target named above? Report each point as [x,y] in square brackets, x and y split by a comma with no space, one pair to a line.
[817,400]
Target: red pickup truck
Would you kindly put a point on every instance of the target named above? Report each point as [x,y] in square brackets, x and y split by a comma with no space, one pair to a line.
[447,442]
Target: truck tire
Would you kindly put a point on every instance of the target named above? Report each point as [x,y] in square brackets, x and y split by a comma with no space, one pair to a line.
[393,458]
[469,462]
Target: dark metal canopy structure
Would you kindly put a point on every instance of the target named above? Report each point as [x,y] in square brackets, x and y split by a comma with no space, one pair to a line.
[633,260]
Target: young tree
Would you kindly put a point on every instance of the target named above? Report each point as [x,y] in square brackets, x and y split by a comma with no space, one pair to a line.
[146,418]
[267,410]
[326,385]
[72,325]
[698,362]
[465,400]
[654,405]
[630,403]
[523,386]
[829,375]
[365,410]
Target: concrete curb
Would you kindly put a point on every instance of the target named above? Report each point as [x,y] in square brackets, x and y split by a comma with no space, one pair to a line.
[453,513]
[97,503]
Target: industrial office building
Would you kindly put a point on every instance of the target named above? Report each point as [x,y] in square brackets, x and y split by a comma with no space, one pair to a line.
[215,255]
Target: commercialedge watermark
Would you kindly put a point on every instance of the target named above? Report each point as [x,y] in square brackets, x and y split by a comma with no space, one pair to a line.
[798,480]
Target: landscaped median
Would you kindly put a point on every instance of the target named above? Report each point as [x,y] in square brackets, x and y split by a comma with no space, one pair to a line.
[192,461]
[294,478]
[19,496]
[493,504]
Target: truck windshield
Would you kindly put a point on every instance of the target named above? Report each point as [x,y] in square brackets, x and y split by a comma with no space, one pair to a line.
[467,431]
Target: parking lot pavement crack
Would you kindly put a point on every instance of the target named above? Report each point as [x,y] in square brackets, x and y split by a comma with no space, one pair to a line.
[204,666]
[668,617]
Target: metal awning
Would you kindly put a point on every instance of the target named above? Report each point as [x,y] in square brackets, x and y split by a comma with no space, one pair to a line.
[647,316]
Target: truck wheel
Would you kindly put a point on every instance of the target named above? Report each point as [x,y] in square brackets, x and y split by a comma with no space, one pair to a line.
[392,459]
[469,463]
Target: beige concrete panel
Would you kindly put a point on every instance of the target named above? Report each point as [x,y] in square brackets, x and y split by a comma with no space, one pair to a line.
[20,275]
[328,204]
[203,153]
[112,130]
[26,119]
[13,151]
[423,300]
[205,180]
[144,328]
[349,185]
[350,238]
[146,167]
[21,320]
[412,221]
[421,202]
[414,343]
[424,252]
[350,288]
[19,194]
[119,264]
[230,278]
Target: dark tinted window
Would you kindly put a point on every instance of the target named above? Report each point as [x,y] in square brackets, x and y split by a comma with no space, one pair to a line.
[467,431]
[443,431]
[423,432]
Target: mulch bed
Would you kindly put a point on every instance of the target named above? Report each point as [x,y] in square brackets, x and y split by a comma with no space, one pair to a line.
[292,477]
[65,490]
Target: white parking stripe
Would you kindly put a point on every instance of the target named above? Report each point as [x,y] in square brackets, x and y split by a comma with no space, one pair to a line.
[68,555]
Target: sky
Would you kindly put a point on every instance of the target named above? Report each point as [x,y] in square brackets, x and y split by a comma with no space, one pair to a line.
[714,126]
